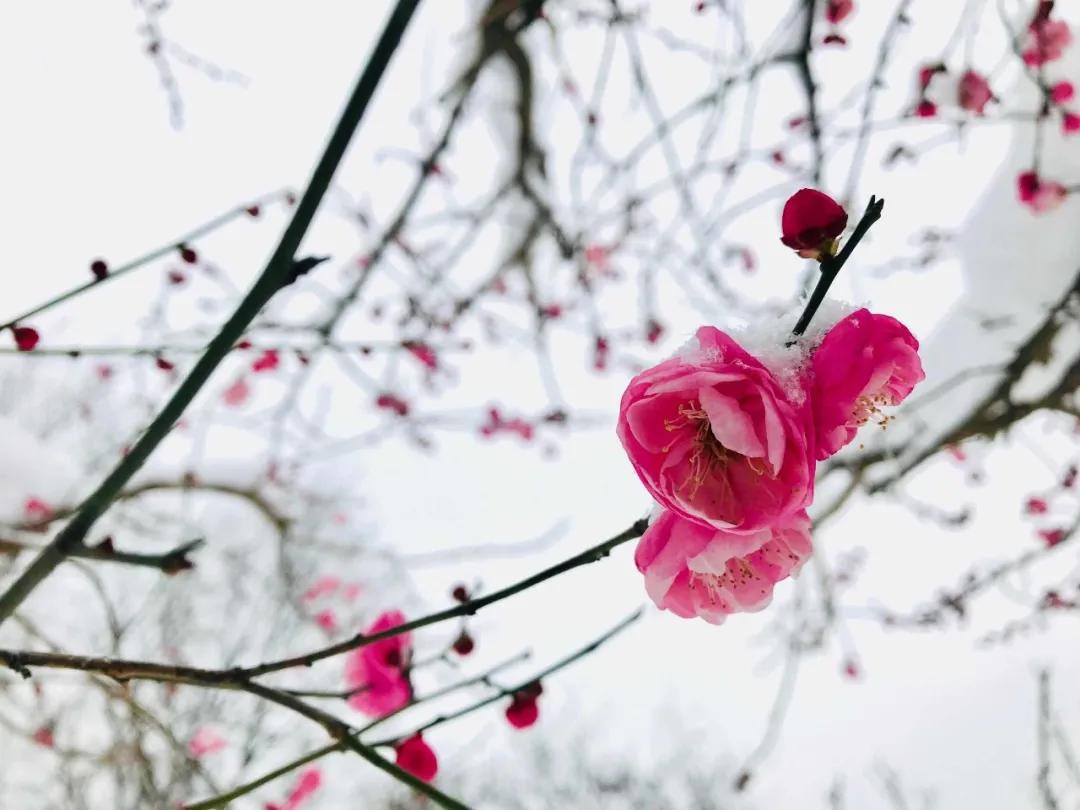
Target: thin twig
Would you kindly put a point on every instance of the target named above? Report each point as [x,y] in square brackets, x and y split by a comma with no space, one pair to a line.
[831,266]
[276,274]
[469,608]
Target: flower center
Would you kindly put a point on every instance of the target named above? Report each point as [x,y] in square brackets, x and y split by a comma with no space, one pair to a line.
[708,454]
[869,409]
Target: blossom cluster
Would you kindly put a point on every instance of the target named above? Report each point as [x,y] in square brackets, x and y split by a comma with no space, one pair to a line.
[727,442]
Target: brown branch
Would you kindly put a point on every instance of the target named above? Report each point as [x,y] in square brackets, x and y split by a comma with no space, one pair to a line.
[469,608]
[169,562]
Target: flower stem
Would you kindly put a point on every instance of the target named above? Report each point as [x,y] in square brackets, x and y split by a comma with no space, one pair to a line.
[830,268]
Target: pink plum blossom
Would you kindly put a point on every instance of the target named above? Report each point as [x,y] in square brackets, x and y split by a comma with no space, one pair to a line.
[205,741]
[378,670]
[865,362]
[326,620]
[415,756]
[309,782]
[1061,92]
[37,510]
[267,361]
[1038,194]
[523,711]
[973,92]
[1047,41]
[695,570]
[714,438]
[836,11]
[237,393]
[323,586]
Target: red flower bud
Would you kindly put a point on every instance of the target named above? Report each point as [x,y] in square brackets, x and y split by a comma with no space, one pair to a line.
[26,338]
[811,222]
[187,254]
[522,711]
[464,644]
[416,757]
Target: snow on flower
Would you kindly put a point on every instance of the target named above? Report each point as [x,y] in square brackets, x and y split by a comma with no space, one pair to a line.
[415,756]
[811,222]
[713,437]
[865,362]
[379,670]
[695,570]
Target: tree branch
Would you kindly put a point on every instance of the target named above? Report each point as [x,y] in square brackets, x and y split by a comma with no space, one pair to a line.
[466,609]
[275,274]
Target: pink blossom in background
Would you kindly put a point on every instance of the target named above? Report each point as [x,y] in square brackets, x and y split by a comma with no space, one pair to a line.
[37,510]
[1070,123]
[1062,92]
[1047,41]
[974,92]
[237,393]
[713,437]
[523,710]
[309,782]
[497,423]
[1039,195]
[865,362]
[379,669]
[415,756]
[44,737]
[1036,506]
[928,72]
[267,361]
[694,570]
[205,741]
[1051,537]
[352,591]
[326,620]
[836,11]
[26,338]
[423,353]
[926,109]
[391,402]
[323,586]
[598,258]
